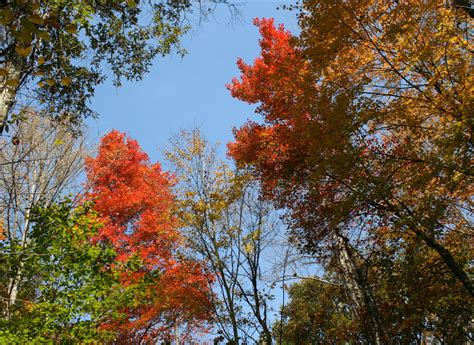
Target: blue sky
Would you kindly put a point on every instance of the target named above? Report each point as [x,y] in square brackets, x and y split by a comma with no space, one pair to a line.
[180,93]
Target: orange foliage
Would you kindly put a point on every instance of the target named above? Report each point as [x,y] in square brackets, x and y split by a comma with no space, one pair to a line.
[367,122]
[134,200]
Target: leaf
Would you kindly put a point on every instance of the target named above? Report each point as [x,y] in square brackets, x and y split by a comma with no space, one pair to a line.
[71,28]
[6,16]
[23,51]
[53,21]
[36,19]
[50,81]
[2,231]
[13,82]
[44,35]
[66,81]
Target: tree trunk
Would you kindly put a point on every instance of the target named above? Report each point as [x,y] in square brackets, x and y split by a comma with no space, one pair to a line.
[358,288]
[448,259]
[9,89]
[15,281]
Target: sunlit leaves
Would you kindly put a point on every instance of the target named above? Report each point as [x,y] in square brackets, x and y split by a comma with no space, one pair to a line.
[66,285]
[47,41]
[134,200]
[365,128]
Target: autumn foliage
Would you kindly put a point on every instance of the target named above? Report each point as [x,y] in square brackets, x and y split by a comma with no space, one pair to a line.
[136,206]
[345,127]
[361,147]
[365,139]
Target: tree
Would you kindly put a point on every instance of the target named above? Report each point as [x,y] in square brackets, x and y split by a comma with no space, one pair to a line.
[67,290]
[367,131]
[38,165]
[419,301]
[413,83]
[328,146]
[57,52]
[229,227]
[352,111]
[270,149]
[162,288]
[317,313]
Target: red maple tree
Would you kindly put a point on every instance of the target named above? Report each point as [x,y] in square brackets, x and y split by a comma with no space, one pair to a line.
[134,200]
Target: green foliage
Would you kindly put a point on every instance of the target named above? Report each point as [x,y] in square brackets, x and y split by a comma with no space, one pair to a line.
[62,49]
[317,313]
[67,285]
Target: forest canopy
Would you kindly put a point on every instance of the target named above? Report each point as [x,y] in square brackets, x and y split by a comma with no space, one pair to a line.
[342,212]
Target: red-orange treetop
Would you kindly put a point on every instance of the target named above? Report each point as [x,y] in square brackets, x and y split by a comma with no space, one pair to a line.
[134,200]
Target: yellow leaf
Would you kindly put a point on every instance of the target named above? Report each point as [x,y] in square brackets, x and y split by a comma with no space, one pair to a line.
[13,82]
[24,52]
[41,60]
[248,247]
[53,21]
[3,72]
[6,16]
[2,232]
[41,84]
[50,82]
[43,35]
[66,81]
[36,19]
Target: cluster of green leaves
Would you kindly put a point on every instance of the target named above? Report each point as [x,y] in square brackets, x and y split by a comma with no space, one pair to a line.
[67,286]
[60,48]
[318,313]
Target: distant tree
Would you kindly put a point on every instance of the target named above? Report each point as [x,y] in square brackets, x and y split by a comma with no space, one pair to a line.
[316,313]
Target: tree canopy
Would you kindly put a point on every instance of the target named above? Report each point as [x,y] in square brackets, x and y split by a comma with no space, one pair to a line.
[366,138]
[341,215]
[55,53]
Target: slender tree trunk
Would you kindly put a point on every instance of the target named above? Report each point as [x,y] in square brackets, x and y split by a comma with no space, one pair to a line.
[358,288]
[232,316]
[13,68]
[261,320]
[233,320]
[16,279]
[448,259]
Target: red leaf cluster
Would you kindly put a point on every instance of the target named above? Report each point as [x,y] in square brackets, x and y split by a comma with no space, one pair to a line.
[134,200]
